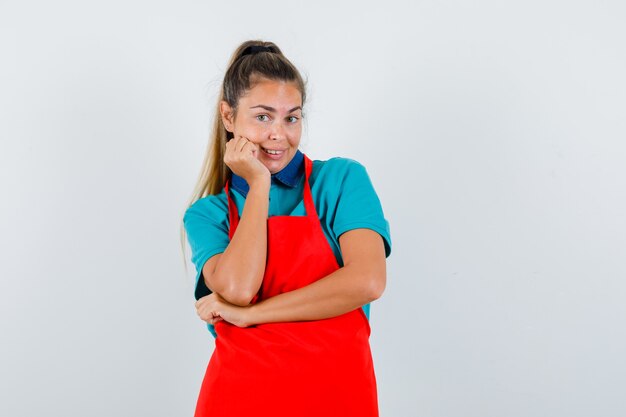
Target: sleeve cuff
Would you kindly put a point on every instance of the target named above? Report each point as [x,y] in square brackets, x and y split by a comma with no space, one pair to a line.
[380,230]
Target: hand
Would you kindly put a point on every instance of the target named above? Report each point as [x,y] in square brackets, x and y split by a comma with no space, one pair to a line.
[242,157]
[213,308]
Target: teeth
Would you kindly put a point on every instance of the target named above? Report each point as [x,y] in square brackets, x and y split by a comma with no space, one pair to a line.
[272,152]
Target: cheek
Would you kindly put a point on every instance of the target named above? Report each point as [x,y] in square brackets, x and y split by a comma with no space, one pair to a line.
[295,141]
[250,131]
[295,129]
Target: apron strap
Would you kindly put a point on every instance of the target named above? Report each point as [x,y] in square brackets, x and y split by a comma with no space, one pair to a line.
[308,197]
[233,213]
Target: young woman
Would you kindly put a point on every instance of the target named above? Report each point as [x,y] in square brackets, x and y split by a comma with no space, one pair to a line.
[289,253]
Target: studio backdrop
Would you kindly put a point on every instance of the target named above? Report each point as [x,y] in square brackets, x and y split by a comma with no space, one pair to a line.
[493,133]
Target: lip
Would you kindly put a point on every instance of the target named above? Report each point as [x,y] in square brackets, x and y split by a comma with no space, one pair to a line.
[274,157]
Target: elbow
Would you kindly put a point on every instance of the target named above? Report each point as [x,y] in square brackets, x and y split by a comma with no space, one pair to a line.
[376,287]
[371,281]
[238,297]
[241,300]
[234,294]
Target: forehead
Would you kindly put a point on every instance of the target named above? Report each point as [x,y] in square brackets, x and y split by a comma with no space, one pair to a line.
[282,95]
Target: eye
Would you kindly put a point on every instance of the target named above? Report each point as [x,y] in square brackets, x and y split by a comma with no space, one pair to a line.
[295,119]
[261,115]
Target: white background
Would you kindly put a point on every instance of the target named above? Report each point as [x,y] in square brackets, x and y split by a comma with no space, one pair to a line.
[493,132]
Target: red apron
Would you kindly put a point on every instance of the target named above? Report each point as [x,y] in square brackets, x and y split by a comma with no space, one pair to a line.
[318,368]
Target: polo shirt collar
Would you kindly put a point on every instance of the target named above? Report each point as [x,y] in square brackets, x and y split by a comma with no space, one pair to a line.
[289,175]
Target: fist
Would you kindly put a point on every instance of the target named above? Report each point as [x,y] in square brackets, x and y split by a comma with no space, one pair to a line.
[213,308]
[242,157]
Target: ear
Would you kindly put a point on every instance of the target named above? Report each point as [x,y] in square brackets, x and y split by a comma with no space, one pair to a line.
[227,115]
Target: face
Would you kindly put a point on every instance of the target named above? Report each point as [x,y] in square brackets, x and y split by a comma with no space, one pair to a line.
[270,115]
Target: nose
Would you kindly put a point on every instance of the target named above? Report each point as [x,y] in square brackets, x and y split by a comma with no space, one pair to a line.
[277,131]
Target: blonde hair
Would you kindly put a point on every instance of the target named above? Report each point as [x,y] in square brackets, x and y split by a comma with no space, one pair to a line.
[245,67]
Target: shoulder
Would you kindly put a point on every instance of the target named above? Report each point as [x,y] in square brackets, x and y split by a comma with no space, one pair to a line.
[340,179]
[348,199]
[337,168]
[211,207]
[337,164]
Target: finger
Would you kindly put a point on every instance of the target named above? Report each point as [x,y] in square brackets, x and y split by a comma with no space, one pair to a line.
[246,143]
[256,149]
[212,317]
[206,316]
[242,143]
[233,143]
[200,301]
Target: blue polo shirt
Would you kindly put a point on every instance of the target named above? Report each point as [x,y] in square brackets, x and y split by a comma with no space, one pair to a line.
[342,191]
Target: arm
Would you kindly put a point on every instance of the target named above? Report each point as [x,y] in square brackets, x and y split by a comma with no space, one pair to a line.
[237,273]
[361,280]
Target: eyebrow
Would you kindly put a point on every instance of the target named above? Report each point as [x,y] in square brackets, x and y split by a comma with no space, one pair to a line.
[268,108]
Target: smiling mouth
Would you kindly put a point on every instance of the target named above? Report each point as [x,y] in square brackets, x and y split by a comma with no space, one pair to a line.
[272,151]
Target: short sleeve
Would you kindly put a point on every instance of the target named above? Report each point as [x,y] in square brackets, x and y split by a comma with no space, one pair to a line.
[358,205]
[206,225]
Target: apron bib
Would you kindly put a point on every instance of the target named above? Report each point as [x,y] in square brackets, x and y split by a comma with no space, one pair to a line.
[318,368]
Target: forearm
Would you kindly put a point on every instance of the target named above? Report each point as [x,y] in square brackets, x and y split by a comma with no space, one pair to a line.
[240,269]
[337,293]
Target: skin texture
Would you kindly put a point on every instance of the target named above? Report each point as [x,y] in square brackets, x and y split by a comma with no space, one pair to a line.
[236,275]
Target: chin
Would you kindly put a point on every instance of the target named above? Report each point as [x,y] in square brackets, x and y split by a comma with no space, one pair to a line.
[274,166]
[274,169]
